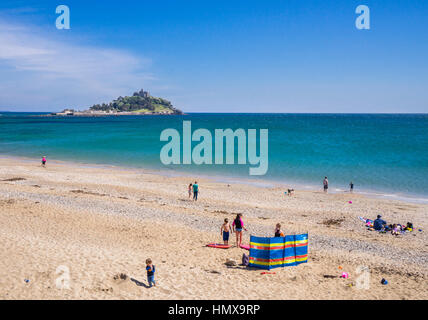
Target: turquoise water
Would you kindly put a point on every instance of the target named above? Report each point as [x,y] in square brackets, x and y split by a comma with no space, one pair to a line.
[386,154]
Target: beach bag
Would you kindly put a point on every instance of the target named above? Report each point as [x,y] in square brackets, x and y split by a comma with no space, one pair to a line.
[245,260]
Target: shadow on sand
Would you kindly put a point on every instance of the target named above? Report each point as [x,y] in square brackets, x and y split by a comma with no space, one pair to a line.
[140,284]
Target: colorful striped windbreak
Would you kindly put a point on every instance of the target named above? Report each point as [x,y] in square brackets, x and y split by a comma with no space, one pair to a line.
[269,253]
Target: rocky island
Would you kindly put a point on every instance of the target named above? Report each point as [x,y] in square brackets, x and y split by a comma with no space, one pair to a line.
[140,103]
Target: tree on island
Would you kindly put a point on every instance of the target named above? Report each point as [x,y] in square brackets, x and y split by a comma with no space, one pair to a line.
[140,101]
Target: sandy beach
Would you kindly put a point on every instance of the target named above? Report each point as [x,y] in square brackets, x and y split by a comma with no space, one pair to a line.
[100,222]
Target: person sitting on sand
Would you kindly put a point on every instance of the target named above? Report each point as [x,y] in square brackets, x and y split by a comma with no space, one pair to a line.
[290,192]
[238,225]
[278,232]
[150,272]
[44,161]
[195,191]
[379,224]
[225,229]
[190,190]
[395,230]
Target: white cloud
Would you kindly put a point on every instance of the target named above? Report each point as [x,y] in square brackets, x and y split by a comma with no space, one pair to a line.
[40,72]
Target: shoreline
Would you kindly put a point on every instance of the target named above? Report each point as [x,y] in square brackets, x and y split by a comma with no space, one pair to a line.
[89,115]
[266,183]
[104,221]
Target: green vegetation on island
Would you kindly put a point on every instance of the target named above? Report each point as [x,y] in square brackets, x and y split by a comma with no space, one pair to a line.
[140,102]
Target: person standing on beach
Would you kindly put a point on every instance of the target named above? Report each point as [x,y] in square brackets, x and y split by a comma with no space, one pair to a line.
[224,231]
[325,183]
[150,272]
[238,225]
[44,161]
[351,187]
[190,190]
[195,191]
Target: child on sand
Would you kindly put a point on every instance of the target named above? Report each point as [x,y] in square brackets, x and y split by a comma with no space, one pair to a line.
[190,190]
[225,229]
[150,272]
[44,161]
[278,232]
[238,225]
[395,230]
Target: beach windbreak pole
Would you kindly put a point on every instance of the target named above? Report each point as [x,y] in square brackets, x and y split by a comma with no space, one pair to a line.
[270,253]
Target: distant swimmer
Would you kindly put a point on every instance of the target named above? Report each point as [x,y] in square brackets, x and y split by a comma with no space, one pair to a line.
[325,183]
[351,187]
[44,161]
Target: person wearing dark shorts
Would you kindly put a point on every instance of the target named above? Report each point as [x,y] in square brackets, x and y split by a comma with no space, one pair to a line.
[225,230]
[225,237]
[351,187]
[325,183]
[195,191]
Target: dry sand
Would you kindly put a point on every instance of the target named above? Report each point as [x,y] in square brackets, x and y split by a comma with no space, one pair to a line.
[100,222]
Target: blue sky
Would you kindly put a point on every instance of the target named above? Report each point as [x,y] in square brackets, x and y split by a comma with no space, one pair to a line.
[217,56]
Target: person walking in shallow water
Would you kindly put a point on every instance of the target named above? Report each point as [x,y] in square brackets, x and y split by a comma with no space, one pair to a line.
[195,191]
[325,183]
[351,187]
[44,161]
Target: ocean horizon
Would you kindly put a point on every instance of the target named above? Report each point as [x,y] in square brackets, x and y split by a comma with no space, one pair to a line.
[382,154]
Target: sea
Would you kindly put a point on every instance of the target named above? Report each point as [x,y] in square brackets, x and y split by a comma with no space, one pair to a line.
[383,155]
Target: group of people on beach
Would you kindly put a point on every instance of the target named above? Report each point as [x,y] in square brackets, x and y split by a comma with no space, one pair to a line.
[193,187]
[396,229]
[238,226]
[325,185]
